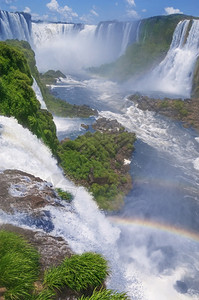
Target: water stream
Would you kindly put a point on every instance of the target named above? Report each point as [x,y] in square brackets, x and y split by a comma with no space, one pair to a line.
[158,242]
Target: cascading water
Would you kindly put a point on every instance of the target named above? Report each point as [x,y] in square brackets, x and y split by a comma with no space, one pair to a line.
[38,94]
[117,35]
[82,45]
[82,225]
[45,32]
[175,73]
[153,247]
[15,26]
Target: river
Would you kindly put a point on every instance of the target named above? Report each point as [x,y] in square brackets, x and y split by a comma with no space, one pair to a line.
[158,243]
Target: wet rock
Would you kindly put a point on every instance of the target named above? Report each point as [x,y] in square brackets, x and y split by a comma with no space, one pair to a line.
[29,196]
[105,125]
[186,110]
[85,126]
[24,192]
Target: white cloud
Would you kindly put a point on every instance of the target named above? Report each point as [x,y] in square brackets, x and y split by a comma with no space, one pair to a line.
[131,13]
[116,3]
[144,10]
[65,11]
[93,12]
[172,10]
[131,2]
[27,10]
[53,5]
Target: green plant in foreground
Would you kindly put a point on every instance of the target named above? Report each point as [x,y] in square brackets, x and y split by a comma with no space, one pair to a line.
[79,273]
[105,295]
[19,266]
[45,294]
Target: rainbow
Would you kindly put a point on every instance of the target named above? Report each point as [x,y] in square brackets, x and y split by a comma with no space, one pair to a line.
[154,225]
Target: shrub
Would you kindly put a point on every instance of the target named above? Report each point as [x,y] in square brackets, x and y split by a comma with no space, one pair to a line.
[19,266]
[105,295]
[17,97]
[64,195]
[79,273]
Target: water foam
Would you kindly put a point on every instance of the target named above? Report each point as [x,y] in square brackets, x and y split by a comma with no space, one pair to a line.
[157,132]
[83,225]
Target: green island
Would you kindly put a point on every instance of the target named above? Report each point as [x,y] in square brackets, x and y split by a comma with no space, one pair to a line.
[21,277]
[96,160]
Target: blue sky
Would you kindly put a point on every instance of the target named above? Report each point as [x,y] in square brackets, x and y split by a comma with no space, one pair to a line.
[93,11]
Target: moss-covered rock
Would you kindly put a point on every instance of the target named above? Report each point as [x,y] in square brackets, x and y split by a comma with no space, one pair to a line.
[186,111]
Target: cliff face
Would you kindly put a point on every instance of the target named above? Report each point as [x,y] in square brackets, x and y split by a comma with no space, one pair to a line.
[17,96]
[155,36]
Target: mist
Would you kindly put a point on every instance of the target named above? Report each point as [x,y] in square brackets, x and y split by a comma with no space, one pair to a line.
[72,49]
[173,76]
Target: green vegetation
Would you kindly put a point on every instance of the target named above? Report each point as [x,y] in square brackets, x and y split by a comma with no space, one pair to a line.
[105,295]
[95,160]
[180,106]
[18,99]
[51,76]
[55,105]
[19,271]
[155,37]
[79,272]
[64,195]
[19,266]
[195,86]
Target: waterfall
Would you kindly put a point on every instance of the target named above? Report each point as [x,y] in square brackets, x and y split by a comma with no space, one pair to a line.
[175,73]
[38,94]
[44,32]
[83,225]
[118,35]
[112,35]
[15,26]
[83,45]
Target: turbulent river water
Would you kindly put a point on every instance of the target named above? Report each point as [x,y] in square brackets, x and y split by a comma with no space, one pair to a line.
[152,243]
[158,245]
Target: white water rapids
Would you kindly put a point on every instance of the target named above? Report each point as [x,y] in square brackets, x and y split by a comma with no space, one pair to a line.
[153,249]
[83,226]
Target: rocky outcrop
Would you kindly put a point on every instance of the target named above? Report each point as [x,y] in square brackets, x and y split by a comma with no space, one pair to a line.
[105,125]
[186,111]
[29,195]
[24,192]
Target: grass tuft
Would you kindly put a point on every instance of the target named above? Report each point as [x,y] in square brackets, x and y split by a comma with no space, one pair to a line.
[79,273]
[106,295]
[19,266]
